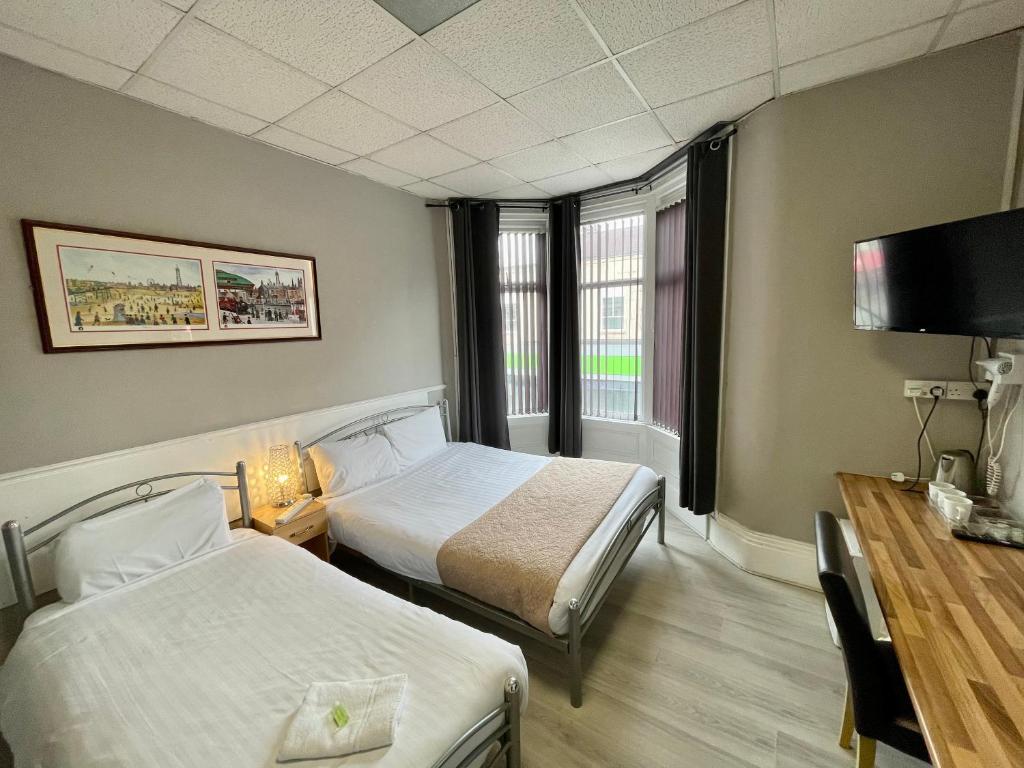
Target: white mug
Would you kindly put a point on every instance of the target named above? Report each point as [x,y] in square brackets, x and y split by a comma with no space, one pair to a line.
[960,511]
[948,498]
[935,487]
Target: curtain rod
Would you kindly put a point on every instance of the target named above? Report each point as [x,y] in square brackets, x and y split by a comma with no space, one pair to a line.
[718,132]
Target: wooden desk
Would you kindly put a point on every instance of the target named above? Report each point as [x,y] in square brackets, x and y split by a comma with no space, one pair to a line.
[955,611]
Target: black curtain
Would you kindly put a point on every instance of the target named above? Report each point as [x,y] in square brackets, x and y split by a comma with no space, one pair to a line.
[482,405]
[565,407]
[707,169]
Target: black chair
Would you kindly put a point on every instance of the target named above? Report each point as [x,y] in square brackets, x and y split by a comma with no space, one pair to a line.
[877,703]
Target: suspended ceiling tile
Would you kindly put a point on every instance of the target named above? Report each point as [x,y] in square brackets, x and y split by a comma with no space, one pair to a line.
[540,162]
[518,192]
[330,39]
[420,87]
[626,23]
[301,145]
[171,98]
[430,190]
[47,55]
[807,28]
[873,54]
[574,181]
[420,15]
[625,168]
[626,137]
[121,32]
[423,156]
[513,46]
[181,5]
[492,131]
[726,48]
[380,173]
[976,23]
[341,121]
[476,180]
[207,62]
[685,119]
[581,100]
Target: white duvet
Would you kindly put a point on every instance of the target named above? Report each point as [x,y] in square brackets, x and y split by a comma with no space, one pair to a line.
[402,522]
[204,663]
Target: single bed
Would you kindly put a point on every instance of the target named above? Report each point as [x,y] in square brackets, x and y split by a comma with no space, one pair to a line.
[204,662]
[402,522]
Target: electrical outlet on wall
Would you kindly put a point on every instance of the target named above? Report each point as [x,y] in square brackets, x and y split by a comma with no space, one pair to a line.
[923,388]
[963,390]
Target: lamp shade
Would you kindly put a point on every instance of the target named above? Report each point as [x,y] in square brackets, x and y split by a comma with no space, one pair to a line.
[281,479]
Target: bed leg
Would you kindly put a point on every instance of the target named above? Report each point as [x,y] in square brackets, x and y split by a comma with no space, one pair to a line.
[575,651]
[662,509]
[513,694]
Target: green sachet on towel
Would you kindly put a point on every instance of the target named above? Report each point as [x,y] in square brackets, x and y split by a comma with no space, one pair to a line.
[337,719]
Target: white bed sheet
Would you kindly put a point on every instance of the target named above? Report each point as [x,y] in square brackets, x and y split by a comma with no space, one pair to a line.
[203,664]
[403,521]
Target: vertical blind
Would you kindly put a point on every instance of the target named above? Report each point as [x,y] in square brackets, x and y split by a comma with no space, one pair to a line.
[669,303]
[522,279]
[611,317]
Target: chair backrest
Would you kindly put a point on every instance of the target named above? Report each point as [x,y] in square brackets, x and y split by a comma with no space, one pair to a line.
[867,669]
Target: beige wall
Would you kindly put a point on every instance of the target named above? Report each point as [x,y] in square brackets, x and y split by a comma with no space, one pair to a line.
[74,153]
[805,394]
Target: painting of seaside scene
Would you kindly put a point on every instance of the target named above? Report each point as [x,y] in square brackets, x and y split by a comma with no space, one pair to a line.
[249,295]
[124,291]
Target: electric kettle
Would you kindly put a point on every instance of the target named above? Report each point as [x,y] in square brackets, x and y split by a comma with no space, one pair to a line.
[956,467]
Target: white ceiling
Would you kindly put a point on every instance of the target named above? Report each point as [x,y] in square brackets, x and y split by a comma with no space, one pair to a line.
[506,98]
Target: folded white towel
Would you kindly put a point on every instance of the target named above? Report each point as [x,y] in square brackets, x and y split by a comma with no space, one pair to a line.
[373,708]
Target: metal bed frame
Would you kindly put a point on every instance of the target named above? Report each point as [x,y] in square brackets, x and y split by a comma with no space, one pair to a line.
[503,741]
[582,609]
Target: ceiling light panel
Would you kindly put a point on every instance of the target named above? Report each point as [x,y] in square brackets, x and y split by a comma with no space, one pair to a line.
[582,100]
[626,137]
[725,48]
[43,53]
[540,162]
[873,54]
[121,32]
[209,63]
[624,24]
[423,15]
[685,119]
[423,156]
[341,121]
[430,190]
[495,130]
[477,180]
[513,46]
[807,28]
[171,98]
[420,87]
[329,39]
[574,181]
[301,145]
[382,173]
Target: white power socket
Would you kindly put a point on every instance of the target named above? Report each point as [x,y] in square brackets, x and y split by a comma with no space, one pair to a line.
[949,390]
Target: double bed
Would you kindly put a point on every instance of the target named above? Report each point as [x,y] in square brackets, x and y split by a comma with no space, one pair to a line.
[204,662]
[403,522]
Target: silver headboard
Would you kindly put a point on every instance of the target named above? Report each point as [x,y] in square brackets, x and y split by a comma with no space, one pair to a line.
[18,552]
[365,426]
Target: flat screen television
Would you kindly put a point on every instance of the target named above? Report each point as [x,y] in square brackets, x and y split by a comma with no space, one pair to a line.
[964,278]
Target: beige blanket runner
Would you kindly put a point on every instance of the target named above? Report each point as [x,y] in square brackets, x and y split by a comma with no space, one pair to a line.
[514,555]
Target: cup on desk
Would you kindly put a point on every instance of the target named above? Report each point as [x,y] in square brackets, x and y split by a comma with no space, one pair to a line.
[935,488]
[948,498]
[959,510]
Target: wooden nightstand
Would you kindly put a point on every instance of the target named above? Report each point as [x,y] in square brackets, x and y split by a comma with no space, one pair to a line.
[308,530]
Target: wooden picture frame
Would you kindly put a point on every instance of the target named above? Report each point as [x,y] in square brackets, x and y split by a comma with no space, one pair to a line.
[102,289]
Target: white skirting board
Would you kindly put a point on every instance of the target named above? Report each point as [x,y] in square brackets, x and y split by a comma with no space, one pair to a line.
[32,495]
[776,557]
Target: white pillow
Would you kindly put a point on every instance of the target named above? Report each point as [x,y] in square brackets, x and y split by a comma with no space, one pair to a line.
[416,437]
[347,465]
[96,555]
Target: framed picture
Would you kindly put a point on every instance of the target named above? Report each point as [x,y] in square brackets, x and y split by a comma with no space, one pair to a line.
[103,289]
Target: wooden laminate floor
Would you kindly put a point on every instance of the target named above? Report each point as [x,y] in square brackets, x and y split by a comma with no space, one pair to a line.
[692,663]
